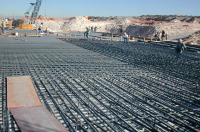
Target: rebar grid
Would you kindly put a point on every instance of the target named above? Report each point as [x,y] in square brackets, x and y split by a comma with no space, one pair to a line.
[108,86]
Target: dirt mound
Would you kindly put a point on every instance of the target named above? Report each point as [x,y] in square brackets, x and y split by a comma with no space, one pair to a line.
[175,20]
[193,39]
[122,20]
[194,20]
[79,23]
[143,26]
[55,25]
[174,30]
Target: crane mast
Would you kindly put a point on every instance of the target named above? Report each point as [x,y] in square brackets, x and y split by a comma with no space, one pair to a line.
[35,11]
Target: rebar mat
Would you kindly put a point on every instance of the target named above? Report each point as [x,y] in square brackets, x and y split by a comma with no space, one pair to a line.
[108,86]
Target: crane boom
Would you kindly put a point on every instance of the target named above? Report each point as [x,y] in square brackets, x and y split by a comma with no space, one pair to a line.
[26,20]
[36,11]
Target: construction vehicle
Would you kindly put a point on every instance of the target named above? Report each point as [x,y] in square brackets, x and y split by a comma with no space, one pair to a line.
[29,22]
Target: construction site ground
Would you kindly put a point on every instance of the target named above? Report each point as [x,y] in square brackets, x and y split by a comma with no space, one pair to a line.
[100,85]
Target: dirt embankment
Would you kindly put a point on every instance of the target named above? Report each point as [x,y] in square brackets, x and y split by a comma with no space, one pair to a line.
[143,26]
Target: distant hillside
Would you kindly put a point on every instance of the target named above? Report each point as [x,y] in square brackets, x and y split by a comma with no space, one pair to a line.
[191,19]
[195,19]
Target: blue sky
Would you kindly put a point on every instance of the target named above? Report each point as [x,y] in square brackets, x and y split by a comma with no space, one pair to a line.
[70,8]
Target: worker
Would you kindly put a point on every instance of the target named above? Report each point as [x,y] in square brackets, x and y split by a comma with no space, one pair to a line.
[180,46]
[163,35]
[166,36]
[89,29]
[160,36]
[40,28]
[86,33]
[2,27]
[47,30]
[156,35]
[156,32]
[125,36]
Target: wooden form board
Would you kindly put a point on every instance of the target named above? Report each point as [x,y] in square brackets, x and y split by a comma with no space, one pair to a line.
[21,92]
[26,108]
[36,119]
